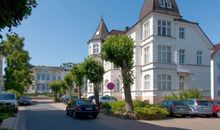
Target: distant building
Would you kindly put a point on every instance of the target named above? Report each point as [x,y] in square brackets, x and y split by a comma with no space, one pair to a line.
[171,54]
[215,72]
[42,76]
[67,66]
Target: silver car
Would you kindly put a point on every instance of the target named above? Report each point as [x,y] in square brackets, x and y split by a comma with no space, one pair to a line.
[199,107]
[9,99]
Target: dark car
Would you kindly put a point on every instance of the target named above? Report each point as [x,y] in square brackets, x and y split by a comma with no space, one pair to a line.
[216,108]
[81,107]
[68,99]
[176,107]
[24,100]
[199,107]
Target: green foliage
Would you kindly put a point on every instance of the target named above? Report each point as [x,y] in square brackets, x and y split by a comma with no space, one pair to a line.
[56,87]
[106,105]
[18,70]
[119,50]
[68,80]
[12,12]
[150,112]
[142,110]
[3,116]
[186,94]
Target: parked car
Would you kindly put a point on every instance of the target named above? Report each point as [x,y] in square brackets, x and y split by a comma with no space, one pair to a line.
[9,99]
[216,108]
[91,98]
[106,99]
[176,107]
[81,107]
[67,99]
[24,100]
[199,107]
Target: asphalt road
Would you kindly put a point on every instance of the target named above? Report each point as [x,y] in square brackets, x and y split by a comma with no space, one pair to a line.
[43,116]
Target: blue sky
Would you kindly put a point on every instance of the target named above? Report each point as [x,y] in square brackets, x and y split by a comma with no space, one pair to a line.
[58,30]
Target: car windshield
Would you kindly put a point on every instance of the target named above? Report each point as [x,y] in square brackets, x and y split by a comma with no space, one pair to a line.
[203,103]
[7,97]
[25,98]
[85,102]
[218,102]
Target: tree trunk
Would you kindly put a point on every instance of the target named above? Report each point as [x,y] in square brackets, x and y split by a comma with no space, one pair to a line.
[127,89]
[96,93]
[79,92]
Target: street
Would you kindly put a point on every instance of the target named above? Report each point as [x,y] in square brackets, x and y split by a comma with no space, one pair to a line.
[51,116]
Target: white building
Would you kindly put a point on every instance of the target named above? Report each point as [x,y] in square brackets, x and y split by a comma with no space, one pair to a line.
[42,76]
[215,72]
[67,66]
[171,54]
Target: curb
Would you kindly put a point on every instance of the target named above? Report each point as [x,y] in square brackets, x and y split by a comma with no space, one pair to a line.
[19,123]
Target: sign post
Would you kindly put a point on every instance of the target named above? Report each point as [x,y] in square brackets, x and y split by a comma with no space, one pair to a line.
[110,86]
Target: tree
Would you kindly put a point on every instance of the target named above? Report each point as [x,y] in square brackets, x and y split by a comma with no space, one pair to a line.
[94,71]
[56,87]
[18,69]
[68,79]
[12,12]
[78,74]
[119,50]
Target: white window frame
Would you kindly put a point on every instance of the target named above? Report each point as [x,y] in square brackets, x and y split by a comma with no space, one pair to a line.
[182,33]
[164,54]
[117,85]
[146,55]
[95,48]
[199,57]
[146,30]
[181,56]
[164,28]
[147,85]
[164,82]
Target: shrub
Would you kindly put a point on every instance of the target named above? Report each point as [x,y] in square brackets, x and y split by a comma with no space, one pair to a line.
[150,113]
[3,116]
[106,105]
[6,109]
[138,103]
[118,106]
[186,94]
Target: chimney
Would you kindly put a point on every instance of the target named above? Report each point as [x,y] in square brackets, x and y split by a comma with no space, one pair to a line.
[126,28]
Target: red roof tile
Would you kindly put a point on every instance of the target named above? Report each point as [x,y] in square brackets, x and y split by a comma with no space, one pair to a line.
[215,49]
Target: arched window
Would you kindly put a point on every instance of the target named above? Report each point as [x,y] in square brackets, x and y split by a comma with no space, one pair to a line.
[147,82]
[95,48]
[164,82]
[117,85]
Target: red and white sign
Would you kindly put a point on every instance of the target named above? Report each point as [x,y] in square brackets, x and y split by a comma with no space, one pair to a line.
[110,86]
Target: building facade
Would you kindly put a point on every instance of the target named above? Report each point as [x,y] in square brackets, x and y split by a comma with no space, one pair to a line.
[171,54]
[42,76]
[215,72]
[67,66]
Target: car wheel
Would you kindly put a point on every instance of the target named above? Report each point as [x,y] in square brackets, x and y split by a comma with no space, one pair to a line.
[75,115]
[183,115]
[218,114]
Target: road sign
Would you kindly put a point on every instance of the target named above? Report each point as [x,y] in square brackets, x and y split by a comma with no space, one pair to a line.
[110,86]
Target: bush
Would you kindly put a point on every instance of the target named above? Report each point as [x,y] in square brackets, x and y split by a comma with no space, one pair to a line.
[150,112]
[106,105]
[6,109]
[3,116]
[118,106]
[186,94]
[138,103]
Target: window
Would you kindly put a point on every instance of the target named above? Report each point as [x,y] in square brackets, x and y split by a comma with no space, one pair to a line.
[218,92]
[164,28]
[117,85]
[164,82]
[95,48]
[146,55]
[38,87]
[181,56]
[43,76]
[218,79]
[199,57]
[146,29]
[43,86]
[147,82]
[166,4]
[182,33]
[54,77]
[181,82]
[90,88]
[48,77]
[38,76]
[59,77]
[218,65]
[164,54]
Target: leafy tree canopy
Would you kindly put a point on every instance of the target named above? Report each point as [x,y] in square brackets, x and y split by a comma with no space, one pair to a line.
[18,69]
[12,12]
[78,74]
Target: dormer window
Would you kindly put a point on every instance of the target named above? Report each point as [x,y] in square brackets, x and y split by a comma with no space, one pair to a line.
[97,33]
[166,4]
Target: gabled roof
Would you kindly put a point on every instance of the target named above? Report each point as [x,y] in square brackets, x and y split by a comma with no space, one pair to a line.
[154,6]
[101,32]
[117,32]
[215,49]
